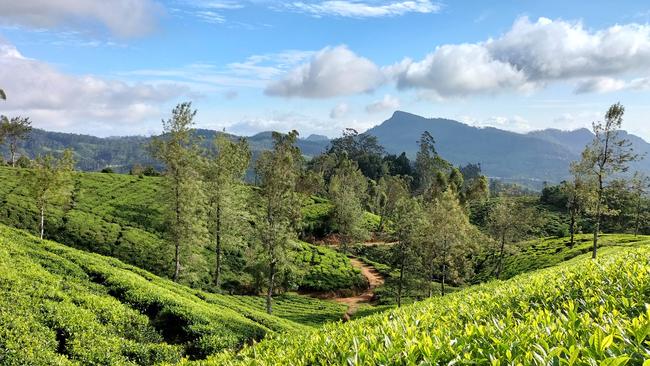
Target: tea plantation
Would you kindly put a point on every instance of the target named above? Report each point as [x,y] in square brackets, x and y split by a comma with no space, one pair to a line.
[60,306]
[582,312]
[121,216]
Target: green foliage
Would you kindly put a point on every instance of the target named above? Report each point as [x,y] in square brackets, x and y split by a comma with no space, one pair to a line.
[347,192]
[61,305]
[583,313]
[535,254]
[326,269]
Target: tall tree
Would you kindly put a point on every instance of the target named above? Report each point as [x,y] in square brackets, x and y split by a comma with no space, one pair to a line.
[3,96]
[50,183]
[508,221]
[410,229]
[15,130]
[177,149]
[347,190]
[224,189]
[388,192]
[431,171]
[278,212]
[607,155]
[451,244]
[639,187]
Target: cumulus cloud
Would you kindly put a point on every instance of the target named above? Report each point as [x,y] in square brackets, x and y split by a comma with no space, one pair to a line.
[125,18]
[513,123]
[388,103]
[361,9]
[57,100]
[607,84]
[529,55]
[332,71]
[339,111]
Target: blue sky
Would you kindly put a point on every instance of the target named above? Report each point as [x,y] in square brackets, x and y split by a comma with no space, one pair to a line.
[117,68]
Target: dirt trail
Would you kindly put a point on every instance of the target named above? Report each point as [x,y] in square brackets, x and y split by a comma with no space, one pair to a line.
[374,279]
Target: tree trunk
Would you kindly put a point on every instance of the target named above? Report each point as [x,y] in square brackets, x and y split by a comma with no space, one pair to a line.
[177,239]
[501,252]
[217,272]
[572,227]
[442,283]
[637,218]
[12,147]
[598,214]
[400,284]
[269,294]
[42,221]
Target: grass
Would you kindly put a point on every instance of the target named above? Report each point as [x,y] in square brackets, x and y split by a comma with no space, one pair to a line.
[60,305]
[582,312]
[121,216]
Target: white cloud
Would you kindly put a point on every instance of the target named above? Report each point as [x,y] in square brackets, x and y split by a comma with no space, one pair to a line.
[333,71]
[339,111]
[599,85]
[458,70]
[514,123]
[124,18]
[364,9]
[55,100]
[529,55]
[388,103]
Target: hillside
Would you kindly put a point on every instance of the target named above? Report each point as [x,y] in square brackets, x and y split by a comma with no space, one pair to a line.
[121,216]
[581,312]
[63,306]
[529,158]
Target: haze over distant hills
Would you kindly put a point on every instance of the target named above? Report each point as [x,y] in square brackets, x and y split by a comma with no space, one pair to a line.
[530,158]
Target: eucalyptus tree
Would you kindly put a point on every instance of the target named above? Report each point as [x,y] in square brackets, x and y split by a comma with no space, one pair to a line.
[508,221]
[176,148]
[3,96]
[276,206]
[410,230]
[607,155]
[347,192]
[15,130]
[50,183]
[449,248]
[223,175]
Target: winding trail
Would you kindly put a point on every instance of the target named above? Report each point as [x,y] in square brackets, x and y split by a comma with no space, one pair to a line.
[374,279]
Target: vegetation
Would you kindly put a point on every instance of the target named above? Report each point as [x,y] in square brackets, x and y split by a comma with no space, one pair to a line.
[607,155]
[14,130]
[584,312]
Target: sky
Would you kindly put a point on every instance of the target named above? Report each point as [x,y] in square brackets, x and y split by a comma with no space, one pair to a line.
[114,68]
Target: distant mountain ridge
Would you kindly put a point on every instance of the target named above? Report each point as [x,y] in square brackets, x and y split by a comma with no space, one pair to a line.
[531,158]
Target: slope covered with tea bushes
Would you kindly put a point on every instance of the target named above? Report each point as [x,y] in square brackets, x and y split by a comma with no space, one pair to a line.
[122,216]
[60,305]
[582,312]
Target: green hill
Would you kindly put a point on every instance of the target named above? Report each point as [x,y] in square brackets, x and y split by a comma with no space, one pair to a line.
[122,216]
[582,312]
[60,305]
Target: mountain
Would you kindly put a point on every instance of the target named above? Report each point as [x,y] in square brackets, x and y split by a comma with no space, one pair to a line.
[530,158]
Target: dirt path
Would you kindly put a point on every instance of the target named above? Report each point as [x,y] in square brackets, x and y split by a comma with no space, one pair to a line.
[374,279]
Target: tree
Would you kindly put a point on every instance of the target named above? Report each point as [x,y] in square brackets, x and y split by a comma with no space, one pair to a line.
[410,229]
[177,149]
[451,244]
[49,183]
[364,149]
[639,187]
[15,130]
[347,190]
[278,205]
[223,174]
[388,192]
[607,155]
[508,222]
[3,96]
[430,169]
